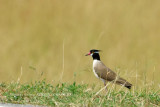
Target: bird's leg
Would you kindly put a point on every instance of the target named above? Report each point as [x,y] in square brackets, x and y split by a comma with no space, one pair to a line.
[105,86]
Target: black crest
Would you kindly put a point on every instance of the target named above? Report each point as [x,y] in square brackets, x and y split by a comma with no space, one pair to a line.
[94,50]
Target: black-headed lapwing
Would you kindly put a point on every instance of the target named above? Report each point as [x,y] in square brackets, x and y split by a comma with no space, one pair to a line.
[104,73]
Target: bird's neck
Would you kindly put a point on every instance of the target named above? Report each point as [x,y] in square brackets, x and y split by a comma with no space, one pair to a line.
[96,56]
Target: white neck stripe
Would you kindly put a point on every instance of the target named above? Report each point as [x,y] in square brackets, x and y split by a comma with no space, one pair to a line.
[96,52]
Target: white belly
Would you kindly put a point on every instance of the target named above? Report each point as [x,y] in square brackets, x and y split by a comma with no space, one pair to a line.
[95,62]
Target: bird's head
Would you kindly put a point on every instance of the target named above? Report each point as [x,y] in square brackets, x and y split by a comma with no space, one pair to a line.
[93,51]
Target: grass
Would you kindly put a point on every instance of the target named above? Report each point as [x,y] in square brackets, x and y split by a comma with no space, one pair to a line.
[43,93]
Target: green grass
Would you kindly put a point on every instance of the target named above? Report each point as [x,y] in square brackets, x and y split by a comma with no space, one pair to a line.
[43,93]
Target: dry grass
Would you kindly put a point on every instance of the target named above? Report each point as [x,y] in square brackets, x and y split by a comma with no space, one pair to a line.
[32,34]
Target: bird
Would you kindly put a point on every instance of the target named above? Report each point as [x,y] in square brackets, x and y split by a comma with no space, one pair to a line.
[104,73]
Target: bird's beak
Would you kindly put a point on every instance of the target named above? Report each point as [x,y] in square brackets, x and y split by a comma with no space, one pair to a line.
[88,54]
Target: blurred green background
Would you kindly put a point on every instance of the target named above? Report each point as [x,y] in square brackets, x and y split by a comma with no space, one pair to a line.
[49,38]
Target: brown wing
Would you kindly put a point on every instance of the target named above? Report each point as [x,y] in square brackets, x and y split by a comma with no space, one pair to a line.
[104,72]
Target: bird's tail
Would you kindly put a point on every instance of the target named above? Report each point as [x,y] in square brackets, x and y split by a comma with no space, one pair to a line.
[123,82]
